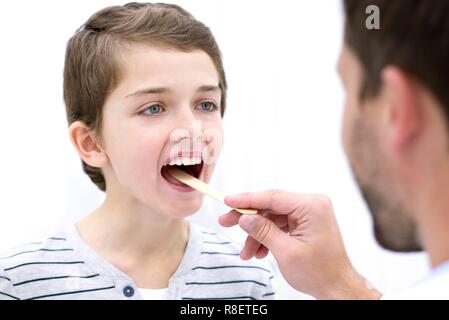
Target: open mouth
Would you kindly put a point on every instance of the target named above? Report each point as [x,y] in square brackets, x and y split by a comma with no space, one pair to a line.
[190,166]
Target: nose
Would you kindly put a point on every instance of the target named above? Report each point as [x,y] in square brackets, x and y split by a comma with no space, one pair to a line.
[187,130]
[185,118]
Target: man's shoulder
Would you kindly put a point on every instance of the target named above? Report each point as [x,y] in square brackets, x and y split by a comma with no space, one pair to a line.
[433,287]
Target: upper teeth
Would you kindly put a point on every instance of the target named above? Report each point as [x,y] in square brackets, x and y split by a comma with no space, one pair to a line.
[185,161]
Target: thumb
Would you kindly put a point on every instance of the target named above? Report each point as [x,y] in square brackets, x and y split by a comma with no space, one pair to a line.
[265,231]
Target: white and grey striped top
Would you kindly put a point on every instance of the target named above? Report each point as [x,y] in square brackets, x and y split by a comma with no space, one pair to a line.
[65,267]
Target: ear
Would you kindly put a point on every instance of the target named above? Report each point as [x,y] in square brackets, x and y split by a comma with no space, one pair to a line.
[85,142]
[404,114]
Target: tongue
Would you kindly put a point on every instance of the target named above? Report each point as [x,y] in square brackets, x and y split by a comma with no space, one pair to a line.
[169,178]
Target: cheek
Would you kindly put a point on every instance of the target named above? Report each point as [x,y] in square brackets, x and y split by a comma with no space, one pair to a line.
[215,139]
[144,155]
[350,114]
[134,154]
[346,128]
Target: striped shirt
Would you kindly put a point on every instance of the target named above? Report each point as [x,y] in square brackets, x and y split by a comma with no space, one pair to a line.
[65,267]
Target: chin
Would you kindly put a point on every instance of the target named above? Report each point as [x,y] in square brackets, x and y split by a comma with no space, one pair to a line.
[397,234]
[183,209]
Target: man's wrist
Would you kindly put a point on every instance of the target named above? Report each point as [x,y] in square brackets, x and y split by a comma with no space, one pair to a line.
[351,286]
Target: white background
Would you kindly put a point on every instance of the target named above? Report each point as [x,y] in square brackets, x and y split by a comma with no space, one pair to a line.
[282,127]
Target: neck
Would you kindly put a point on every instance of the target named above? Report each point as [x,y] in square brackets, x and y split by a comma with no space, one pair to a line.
[433,217]
[131,236]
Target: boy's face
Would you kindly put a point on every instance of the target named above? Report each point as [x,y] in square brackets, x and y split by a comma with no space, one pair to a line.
[152,118]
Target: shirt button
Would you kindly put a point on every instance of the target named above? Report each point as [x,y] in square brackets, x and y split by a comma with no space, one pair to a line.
[128,291]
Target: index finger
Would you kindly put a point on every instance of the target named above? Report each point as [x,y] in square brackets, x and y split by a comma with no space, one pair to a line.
[279,202]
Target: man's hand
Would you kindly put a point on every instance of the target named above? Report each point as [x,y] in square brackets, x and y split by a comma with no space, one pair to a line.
[302,233]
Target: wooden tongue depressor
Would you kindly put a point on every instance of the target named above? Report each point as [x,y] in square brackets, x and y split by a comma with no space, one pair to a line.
[203,187]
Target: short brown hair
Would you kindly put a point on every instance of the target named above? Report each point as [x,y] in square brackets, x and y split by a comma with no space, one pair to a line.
[413,35]
[91,68]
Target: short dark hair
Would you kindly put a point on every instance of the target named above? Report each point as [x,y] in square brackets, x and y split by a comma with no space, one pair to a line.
[92,67]
[413,35]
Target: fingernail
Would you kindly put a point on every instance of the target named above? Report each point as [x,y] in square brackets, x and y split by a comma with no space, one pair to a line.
[247,223]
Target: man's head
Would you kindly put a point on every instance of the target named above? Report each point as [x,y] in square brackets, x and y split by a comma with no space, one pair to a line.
[396,115]
[139,79]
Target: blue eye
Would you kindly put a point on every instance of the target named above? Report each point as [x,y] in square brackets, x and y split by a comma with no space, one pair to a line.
[208,106]
[152,110]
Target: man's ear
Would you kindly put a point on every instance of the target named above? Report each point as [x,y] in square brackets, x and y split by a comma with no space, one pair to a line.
[404,114]
[85,142]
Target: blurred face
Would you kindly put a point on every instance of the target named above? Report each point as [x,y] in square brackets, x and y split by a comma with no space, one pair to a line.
[362,136]
[164,112]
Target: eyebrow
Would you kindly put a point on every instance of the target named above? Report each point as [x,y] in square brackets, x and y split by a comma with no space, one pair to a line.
[148,91]
[205,88]
[208,88]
